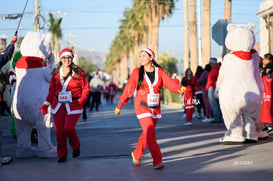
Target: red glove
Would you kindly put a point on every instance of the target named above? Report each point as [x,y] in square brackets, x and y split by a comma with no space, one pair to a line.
[43,109]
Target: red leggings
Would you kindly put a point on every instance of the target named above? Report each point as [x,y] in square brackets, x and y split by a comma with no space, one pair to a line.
[189,114]
[65,128]
[148,137]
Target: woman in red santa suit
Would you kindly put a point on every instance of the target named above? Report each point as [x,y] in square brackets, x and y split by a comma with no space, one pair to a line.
[68,91]
[147,80]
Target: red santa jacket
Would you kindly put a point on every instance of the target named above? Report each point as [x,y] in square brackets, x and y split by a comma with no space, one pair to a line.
[79,87]
[213,75]
[197,87]
[161,79]
[266,110]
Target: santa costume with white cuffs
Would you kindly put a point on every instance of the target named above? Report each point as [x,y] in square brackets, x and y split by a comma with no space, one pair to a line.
[161,79]
[67,111]
[147,107]
[78,86]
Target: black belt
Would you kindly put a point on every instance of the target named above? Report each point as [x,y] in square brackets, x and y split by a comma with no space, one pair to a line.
[73,98]
[145,104]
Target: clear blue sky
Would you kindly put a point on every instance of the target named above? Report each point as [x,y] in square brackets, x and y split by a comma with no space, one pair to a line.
[94,24]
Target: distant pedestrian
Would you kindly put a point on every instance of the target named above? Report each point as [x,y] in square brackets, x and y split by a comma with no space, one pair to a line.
[147,80]
[198,101]
[188,75]
[7,54]
[188,102]
[112,89]
[4,58]
[203,81]
[211,87]
[96,85]
[267,63]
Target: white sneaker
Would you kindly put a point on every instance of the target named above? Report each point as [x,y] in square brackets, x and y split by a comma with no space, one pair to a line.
[187,123]
[194,115]
[206,120]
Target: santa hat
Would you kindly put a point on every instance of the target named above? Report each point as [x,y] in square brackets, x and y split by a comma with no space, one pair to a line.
[66,52]
[149,51]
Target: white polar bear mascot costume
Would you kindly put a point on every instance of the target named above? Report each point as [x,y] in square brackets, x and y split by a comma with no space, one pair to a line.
[239,87]
[33,74]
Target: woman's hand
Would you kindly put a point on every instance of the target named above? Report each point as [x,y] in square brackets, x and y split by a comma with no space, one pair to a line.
[117,111]
[43,109]
[80,102]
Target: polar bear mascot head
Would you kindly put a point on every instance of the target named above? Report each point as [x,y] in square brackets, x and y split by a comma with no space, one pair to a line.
[240,37]
[33,73]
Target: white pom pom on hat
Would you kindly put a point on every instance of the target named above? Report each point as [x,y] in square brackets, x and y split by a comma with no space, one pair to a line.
[66,52]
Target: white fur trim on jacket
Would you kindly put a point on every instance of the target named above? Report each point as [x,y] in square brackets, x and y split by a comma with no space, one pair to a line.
[144,115]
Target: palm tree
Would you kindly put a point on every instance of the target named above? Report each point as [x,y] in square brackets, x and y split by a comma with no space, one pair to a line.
[141,23]
[56,31]
[193,35]
[206,32]
[227,12]
[155,11]
[227,17]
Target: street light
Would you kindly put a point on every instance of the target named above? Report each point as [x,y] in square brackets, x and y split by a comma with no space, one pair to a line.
[12,16]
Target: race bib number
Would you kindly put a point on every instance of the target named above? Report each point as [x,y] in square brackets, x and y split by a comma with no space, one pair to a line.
[65,97]
[153,100]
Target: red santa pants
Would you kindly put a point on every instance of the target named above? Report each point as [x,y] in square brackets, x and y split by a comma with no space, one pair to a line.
[148,138]
[65,128]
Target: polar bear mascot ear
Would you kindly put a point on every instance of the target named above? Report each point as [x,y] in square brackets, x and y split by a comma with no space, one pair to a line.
[240,37]
[38,44]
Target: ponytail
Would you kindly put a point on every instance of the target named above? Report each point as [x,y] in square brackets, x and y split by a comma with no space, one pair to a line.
[140,76]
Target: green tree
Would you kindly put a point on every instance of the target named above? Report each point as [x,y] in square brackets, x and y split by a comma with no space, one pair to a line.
[56,31]
[86,66]
[169,64]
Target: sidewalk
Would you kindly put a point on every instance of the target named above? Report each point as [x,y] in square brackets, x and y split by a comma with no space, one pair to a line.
[189,152]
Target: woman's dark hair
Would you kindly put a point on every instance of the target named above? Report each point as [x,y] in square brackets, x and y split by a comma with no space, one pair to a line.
[188,70]
[184,82]
[73,67]
[141,73]
[268,56]
[199,71]
[208,67]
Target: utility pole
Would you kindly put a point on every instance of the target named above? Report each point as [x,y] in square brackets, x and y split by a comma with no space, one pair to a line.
[199,33]
[36,16]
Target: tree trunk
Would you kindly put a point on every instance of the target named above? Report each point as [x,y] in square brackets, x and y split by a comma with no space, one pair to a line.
[193,36]
[132,61]
[227,14]
[206,32]
[186,36]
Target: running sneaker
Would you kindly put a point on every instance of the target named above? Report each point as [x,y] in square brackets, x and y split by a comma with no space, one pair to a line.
[187,123]
[134,161]
[159,166]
